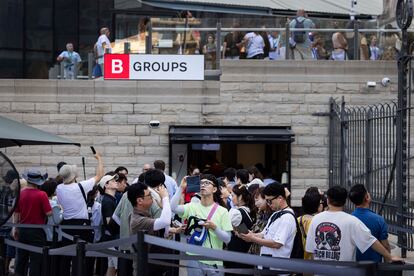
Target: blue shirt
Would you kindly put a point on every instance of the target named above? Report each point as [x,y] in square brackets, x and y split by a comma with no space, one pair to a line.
[379,229]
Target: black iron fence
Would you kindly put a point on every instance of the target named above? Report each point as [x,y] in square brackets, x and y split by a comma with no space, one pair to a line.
[363,150]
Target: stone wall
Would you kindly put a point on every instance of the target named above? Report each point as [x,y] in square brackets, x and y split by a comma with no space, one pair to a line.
[113,115]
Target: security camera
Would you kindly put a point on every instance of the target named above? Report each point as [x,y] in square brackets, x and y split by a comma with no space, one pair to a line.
[385,81]
[154,124]
[354,2]
[371,84]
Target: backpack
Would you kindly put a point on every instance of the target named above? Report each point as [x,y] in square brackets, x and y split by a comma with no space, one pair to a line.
[297,249]
[299,36]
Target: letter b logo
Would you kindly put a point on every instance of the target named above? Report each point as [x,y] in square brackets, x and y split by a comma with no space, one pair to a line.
[116,66]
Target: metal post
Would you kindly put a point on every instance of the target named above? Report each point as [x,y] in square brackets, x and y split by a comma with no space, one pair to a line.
[80,258]
[75,259]
[148,39]
[343,159]
[76,70]
[2,256]
[218,45]
[356,41]
[62,71]
[287,35]
[53,267]
[331,139]
[90,64]
[127,47]
[45,261]
[142,255]
[368,150]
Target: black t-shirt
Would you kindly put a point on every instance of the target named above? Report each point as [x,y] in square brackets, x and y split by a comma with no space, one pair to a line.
[231,40]
[108,206]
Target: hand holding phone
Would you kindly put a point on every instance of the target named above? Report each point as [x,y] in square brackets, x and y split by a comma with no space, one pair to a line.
[242,229]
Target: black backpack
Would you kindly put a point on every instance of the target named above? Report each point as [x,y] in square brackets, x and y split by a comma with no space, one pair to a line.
[299,36]
[297,250]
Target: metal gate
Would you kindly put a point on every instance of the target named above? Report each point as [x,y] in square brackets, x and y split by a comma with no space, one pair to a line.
[363,150]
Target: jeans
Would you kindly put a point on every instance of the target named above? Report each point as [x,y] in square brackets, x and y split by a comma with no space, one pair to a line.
[26,259]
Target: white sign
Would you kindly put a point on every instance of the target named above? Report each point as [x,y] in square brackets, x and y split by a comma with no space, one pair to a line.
[153,67]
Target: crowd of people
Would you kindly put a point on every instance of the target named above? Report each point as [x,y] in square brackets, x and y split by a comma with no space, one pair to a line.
[239,211]
[300,45]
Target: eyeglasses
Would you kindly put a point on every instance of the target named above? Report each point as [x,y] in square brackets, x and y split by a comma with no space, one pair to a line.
[206,182]
[269,200]
[149,195]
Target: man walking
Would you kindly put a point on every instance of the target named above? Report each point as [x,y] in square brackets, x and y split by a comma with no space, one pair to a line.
[102,46]
[301,38]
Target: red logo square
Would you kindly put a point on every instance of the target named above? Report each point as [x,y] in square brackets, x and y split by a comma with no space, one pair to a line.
[116,66]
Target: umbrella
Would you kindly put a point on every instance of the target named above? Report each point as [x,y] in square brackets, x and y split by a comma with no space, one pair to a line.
[13,133]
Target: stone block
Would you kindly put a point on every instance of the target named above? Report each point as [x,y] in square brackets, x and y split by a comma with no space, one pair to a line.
[62,118]
[128,140]
[115,91]
[117,151]
[302,130]
[179,108]
[315,108]
[324,88]
[313,162]
[35,90]
[89,118]
[276,108]
[100,108]
[75,108]
[310,140]
[51,128]
[142,130]
[234,120]
[115,118]
[276,87]
[320,99]
[47,160]
[5,107]
[70,129]
[215,109]
[122,108]
[105,140]
[281,120]
[158,151]
[229,86]
[139,119]
[73,91]
[153,140]
[164,140]
[139,150]
[347,88]
[13,116]
[251,87]
[147,108]
[65,150]
[299,87]
[257,119]
[318,151]
[122,130]
[320,130]
[304,120]
[225,97]
[96,129]
[166,119]
[299,151]
[35,118]
[125,160]
[212,120]
[47,107]
[81,139]
[189,119]
[23,107]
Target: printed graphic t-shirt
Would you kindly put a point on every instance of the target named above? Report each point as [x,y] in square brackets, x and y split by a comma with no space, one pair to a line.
[221,218]
[335,236]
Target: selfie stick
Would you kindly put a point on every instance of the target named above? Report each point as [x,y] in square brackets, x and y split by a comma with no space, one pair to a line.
[83,165]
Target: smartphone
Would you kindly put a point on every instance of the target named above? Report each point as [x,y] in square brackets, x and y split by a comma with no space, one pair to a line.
[242,228]
[176,223]
[193,184]
[93,150]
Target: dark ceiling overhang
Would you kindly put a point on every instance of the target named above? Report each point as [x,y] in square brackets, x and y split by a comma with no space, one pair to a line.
[194,134]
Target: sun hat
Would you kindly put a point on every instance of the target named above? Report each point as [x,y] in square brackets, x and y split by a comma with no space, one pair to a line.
[68,173]
[34,176]
[106,179]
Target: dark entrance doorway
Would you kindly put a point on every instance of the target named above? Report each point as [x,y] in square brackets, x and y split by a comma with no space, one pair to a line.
[213,149]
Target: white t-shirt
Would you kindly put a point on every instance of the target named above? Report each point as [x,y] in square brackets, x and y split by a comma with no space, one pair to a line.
[283,231]
[336,235]
[72,201]
[255,44]
[99,47]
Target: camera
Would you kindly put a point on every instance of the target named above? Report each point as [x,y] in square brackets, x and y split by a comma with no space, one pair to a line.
[385,81]
[354,2]
[371,84]
[154,124]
